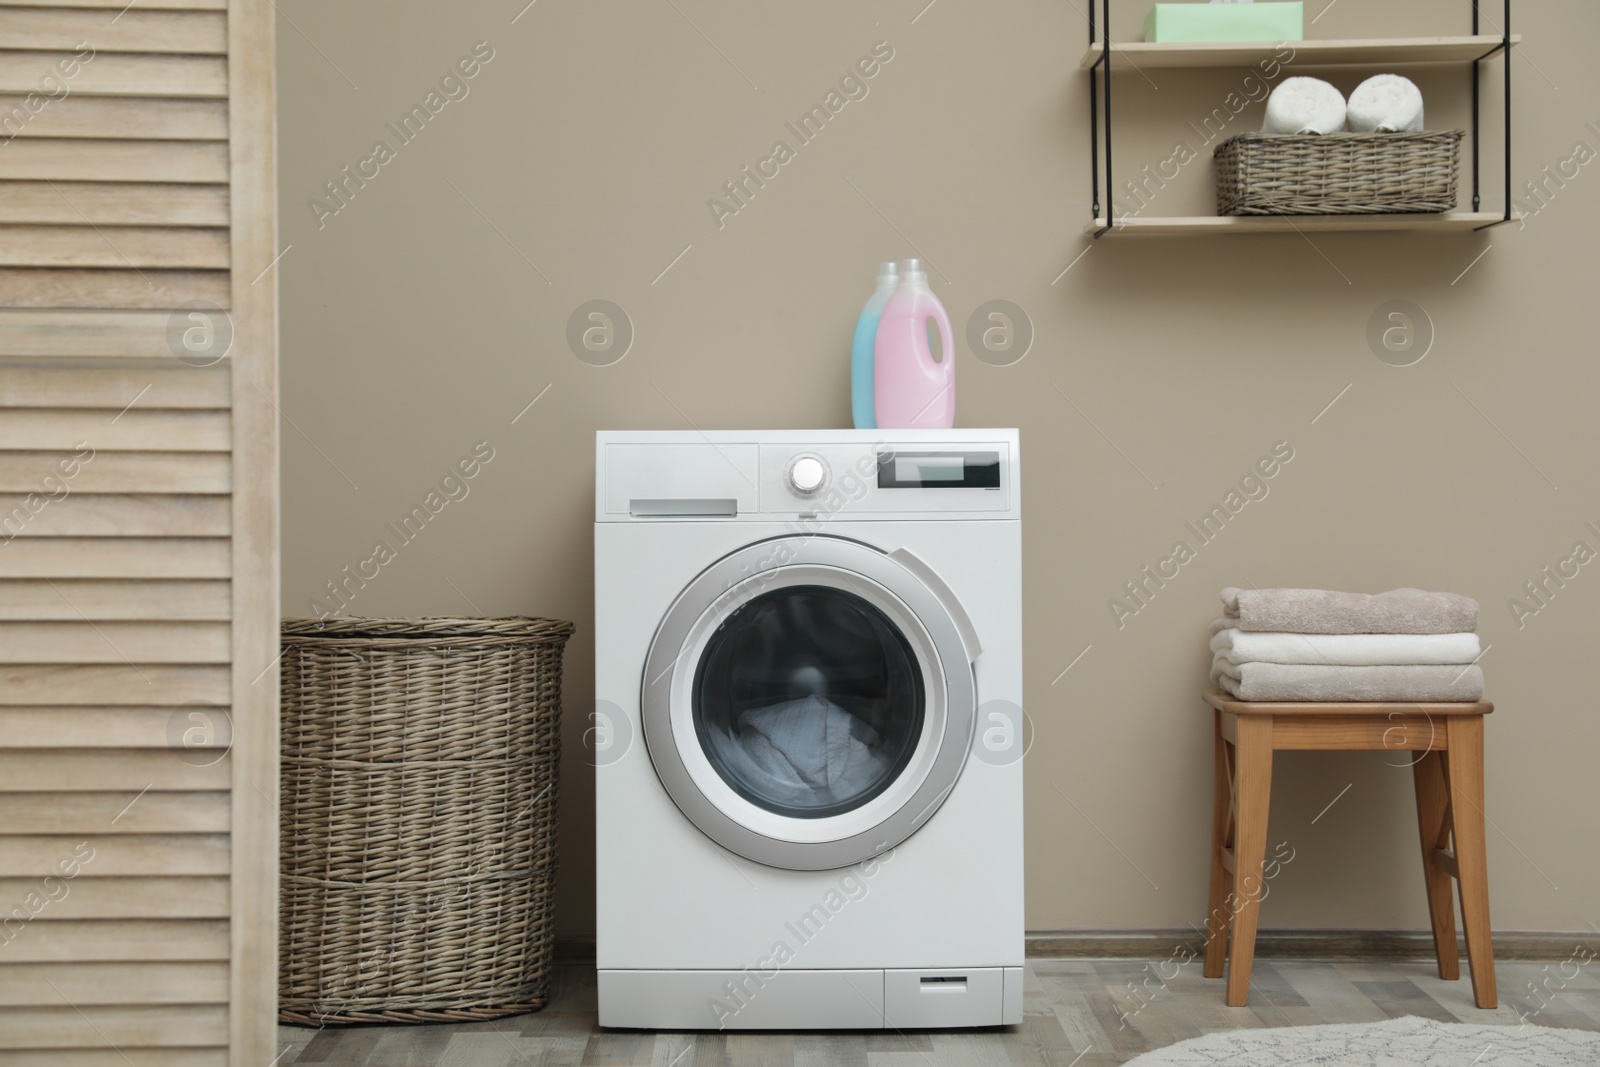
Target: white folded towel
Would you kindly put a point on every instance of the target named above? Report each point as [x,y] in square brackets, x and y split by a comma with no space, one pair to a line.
[1304,105]
[1351,650]
[1404,683]
[1386,103]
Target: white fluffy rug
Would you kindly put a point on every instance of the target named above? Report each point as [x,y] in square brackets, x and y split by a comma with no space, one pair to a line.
[1407,1042]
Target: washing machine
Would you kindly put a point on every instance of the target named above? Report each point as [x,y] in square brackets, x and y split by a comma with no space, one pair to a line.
[808,731]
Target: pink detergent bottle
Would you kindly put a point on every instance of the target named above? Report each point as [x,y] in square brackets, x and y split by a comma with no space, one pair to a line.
[911,390]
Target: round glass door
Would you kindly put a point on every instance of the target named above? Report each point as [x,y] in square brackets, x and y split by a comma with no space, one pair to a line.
[808,702]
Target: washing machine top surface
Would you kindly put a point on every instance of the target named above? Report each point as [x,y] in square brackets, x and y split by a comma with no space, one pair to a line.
[836,475]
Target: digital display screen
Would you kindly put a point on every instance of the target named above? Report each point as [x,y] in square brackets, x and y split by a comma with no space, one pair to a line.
[938,470]
[928,470]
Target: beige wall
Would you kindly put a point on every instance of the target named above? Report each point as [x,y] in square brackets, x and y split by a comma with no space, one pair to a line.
[426,313]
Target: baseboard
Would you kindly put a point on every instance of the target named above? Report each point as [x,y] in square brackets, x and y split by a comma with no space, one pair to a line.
[1270,944]
[1291,944]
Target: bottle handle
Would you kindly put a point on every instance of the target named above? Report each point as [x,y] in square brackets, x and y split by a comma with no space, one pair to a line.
[946,367]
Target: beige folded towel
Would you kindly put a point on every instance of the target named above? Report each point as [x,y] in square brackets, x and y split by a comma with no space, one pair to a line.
[1309,682]
[1323,611]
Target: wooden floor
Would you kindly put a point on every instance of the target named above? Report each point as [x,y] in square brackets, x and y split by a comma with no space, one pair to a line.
[1078,1013]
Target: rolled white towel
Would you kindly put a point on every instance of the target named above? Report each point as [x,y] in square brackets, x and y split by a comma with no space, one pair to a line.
[1386,103]
[1304,105]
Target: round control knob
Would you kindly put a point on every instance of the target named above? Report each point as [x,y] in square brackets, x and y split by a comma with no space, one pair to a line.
[807,474]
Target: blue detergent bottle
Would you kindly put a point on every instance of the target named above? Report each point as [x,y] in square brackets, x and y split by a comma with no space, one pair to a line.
[861,363]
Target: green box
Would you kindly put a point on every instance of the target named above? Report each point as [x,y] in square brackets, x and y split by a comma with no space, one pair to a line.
[1226,22]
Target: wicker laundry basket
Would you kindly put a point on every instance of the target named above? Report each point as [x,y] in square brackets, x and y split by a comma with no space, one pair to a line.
[1338,173]
[418,818]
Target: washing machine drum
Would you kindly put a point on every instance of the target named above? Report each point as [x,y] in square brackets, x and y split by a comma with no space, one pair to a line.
[808,702]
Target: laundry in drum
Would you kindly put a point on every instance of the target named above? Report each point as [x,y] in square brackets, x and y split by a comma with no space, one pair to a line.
[808,701]
[808,749]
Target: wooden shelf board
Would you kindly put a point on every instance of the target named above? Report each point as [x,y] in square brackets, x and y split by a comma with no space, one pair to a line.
[1450,222]
[1146,55]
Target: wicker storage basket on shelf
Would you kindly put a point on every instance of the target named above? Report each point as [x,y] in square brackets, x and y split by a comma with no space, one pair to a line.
[418,817]
[1338,173]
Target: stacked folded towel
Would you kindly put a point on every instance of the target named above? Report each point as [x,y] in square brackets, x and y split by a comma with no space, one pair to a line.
[1318,645]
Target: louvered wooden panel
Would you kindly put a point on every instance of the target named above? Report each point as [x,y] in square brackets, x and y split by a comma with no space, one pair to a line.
[100,727]
[116,472]
[109,684]
[25,287]
[134,30]
[117,387]
[137,335]
[126,1057]
[195,897]
[112,983]
[114,642]
[136,246]
[137,533]
[107,813]
[115,854]
[114,204]
[116,557]
[113,515]
[147,5]
[63,598]
[35,771]
[137,430]
[119,75]
[93,940]
[132,897]
[100,1027]
[86,727]
[118,117]
[48,159]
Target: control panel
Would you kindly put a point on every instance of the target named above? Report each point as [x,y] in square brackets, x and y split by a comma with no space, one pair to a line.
[822,475]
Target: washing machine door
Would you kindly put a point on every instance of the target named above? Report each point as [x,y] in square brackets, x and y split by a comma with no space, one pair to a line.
[808,702]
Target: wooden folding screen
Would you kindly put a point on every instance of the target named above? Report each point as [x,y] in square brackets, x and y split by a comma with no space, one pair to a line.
[138,534]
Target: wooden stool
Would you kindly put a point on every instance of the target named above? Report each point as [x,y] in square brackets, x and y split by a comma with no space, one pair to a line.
[1449,783]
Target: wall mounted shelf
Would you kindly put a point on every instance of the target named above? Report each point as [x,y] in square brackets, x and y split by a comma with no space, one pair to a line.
[1148,55]
[1450,222]
[1106,58]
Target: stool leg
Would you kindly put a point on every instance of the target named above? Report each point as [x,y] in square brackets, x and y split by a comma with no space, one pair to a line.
[1253,776]
[1433,806]
[1464,769]
[1218,911]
